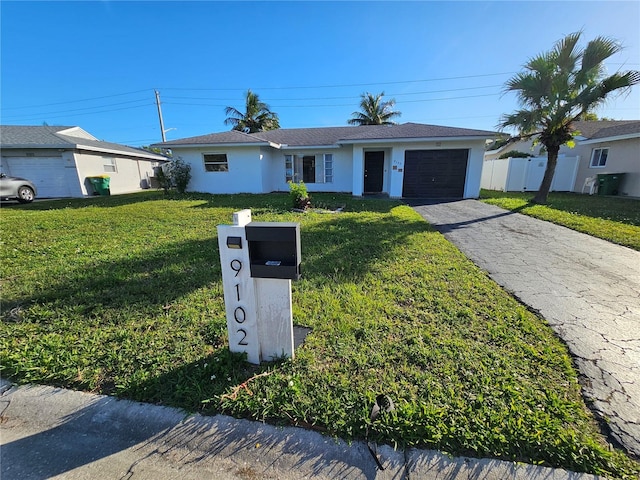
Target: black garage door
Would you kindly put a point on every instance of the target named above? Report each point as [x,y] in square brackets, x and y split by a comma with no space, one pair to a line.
[434,173]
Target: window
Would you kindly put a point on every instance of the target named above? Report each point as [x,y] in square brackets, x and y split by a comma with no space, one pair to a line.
[288,168]
[599,157]
[309,168]
[109,164]
[328,168]
[215,162]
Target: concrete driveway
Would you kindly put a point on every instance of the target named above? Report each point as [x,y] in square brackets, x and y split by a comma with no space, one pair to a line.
[586,288]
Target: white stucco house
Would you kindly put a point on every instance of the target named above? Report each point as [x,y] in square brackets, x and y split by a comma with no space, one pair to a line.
[602,147]
[59,160]
[407,160]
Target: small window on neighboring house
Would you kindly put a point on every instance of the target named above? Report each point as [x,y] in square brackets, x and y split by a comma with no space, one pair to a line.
[216,162]
[599,157]
[109,164]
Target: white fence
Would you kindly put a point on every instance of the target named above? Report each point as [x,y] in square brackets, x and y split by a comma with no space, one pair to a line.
[525,174]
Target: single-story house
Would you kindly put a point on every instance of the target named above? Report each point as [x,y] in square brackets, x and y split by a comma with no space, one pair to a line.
[602,147]
[407,160]
[59,160]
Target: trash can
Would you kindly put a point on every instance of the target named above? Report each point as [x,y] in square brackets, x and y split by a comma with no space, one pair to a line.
[100,184]
[608,183]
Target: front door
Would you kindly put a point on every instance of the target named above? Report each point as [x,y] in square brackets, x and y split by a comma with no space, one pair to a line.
[373,172]
[309,169]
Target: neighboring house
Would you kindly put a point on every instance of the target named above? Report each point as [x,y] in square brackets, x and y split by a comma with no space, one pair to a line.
[407,160]
[604,146]
[58,160]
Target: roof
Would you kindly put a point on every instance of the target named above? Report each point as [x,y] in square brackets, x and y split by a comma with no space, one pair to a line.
[325,136]
[19,136]
[11,135]
[590,132]
[230,137]
[607,128]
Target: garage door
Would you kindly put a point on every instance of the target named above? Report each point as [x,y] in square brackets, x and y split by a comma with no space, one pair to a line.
[47,173]
[434,173]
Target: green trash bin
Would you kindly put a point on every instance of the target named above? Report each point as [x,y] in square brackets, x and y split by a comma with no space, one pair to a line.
[100,184]
[609,183]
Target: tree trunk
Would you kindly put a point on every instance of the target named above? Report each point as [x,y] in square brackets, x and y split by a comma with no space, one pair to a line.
[545,186]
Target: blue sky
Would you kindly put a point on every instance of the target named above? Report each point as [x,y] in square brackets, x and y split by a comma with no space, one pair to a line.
[97,64]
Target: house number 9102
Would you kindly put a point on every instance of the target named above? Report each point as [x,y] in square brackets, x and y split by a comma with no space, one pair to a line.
[239,313]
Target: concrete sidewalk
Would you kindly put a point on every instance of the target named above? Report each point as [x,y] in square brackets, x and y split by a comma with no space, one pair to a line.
[586,288]
[53,433]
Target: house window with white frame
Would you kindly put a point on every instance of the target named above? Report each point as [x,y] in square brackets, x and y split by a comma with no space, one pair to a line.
[109,164]
[328,168]
[316,168]
[599,157]
[215,162]
[288,168]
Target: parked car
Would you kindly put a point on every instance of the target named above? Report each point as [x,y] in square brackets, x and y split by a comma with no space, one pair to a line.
[16,188]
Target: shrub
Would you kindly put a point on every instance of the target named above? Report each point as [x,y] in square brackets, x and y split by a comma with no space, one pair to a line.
[515,154]
[175,174]
[180,174]
[163,179]
[299,196]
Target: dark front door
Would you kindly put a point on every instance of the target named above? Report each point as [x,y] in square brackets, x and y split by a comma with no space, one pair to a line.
[309,169]
[373,172]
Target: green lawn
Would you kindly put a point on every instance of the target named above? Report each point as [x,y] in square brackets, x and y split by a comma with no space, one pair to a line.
[615,219]
[122,295]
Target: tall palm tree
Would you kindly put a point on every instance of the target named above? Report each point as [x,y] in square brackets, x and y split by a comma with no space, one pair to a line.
[374,111]
[557,88]
[257,116]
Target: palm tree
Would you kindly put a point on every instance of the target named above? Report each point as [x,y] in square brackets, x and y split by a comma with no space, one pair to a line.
[373,111]
[257,116]
[557,88]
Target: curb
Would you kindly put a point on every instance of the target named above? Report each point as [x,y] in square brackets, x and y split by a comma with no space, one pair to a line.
[49,431]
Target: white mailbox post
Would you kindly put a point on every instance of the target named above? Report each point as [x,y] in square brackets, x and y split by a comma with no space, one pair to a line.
[239,291]
[258,261]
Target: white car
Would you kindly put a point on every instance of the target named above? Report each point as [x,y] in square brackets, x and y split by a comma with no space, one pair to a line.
[16,188]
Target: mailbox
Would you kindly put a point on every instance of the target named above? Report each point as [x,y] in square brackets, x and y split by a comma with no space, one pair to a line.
[274,249]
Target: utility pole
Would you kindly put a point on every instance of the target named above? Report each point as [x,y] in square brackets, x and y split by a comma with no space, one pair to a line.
[164,139]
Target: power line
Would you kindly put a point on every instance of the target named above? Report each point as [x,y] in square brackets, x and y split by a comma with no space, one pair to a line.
[399,82]
[144,140]
[336,104]
[339,98]
[76,109]
[48,116]
[346,84]
[57,113]
[74,101]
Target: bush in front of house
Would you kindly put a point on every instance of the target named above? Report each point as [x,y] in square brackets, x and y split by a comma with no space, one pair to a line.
[176,174]
[299,196]
[180,174]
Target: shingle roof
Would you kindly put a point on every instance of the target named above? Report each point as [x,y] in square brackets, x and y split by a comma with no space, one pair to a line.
[232,136]
[331,135]
[19,136]
[298,137]
[607,128]
[414,130]
[28,135]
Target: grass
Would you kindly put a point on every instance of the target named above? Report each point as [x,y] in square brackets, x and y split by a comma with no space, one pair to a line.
[122,295]
[615,219]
